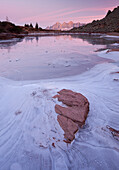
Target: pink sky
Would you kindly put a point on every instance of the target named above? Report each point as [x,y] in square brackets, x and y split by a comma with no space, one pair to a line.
[48,12]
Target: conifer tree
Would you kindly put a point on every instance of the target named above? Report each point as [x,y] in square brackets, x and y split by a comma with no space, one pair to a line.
[36,27]
[31,25]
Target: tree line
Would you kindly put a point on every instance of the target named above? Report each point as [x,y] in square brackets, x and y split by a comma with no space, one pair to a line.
[31,26]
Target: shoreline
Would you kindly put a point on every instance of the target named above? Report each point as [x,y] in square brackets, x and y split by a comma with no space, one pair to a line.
[7,36]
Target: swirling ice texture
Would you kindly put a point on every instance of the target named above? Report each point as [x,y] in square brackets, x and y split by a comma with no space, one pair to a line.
[28,123]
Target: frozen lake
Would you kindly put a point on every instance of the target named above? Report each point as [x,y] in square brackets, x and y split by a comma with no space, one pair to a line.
[29,129]
[35,58]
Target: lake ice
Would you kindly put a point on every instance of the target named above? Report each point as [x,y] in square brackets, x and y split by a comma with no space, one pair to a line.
[32,71]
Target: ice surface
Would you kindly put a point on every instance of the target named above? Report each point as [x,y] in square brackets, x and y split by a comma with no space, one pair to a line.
[30,136]
[110,36]
[116,44]
[26,138]
[111,55]
[35,58]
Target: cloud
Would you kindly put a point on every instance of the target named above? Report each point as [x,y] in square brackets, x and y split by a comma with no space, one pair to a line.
[84,10]
[43,16]
[64,14]
[84,19]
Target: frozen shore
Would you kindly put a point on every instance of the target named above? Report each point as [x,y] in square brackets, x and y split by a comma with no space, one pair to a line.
[28,122]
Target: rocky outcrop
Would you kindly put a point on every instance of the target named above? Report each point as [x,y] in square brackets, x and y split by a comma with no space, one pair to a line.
[110,23]
[73,115]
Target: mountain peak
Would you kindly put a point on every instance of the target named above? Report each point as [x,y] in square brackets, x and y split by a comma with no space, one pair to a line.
[64,26]
[70,22]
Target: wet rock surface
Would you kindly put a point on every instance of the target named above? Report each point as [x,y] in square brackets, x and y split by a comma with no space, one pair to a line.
[73,115]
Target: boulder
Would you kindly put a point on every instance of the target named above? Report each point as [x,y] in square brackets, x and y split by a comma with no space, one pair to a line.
[73,114]
[69,127]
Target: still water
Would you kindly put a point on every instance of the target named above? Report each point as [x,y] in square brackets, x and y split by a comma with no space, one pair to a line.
[34,58]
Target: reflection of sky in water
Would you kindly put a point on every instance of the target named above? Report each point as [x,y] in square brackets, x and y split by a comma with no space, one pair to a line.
[48,57]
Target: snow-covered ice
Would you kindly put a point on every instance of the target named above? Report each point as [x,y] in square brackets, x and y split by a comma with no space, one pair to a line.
[26,138]
[110,36]
[30,136]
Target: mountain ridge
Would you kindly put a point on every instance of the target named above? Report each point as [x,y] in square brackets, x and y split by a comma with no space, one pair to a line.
[64,26]
[110,23]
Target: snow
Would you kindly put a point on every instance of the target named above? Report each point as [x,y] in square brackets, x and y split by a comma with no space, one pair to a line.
[10,40]
[28,122]
[30,136]
[110,36]
[116,44]
[111,55]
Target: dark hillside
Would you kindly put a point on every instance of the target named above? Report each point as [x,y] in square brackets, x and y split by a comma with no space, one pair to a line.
[8,27]
[110,23]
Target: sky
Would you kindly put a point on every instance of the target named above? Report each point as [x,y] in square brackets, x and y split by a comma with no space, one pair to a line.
[48,12]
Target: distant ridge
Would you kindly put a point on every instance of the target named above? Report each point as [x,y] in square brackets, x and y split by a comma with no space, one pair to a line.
[64,26]
[110,23]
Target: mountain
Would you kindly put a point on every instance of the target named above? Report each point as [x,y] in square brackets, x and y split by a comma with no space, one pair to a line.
[64,26]
[110,23]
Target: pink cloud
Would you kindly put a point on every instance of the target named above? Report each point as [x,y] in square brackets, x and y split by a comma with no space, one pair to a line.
[86,19]
[59,14]
[44,16]
[83,10]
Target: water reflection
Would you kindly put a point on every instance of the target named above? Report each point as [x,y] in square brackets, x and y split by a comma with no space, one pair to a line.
[7,44]
[43,57]
[91,39]
[95,39]
[37,39]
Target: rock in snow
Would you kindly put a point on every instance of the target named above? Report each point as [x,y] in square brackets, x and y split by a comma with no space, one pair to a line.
[74,114]
[114,132]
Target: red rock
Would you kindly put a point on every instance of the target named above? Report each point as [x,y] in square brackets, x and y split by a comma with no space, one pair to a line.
[74,114]
[53,145]
[69,127]
[111,50]
[55,96]
[115,72]
[71,98]
[114,132]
